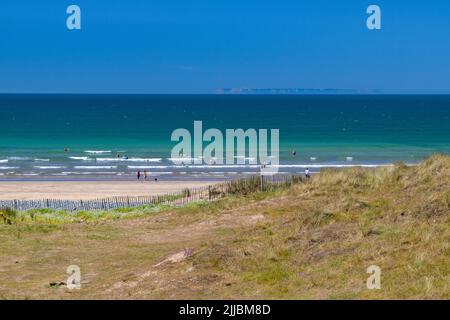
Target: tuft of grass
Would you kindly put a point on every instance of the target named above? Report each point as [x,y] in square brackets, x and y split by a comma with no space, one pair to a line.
[8,215]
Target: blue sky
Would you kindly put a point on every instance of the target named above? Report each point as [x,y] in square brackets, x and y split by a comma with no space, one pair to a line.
[197,46]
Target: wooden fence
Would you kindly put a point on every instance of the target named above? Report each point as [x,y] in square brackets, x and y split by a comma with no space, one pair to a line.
[212,192]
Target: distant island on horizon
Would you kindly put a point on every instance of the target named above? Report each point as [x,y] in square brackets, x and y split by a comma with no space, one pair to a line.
[295,91]
[321,91]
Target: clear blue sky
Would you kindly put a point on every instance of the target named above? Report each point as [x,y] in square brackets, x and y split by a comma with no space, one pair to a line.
[196,46]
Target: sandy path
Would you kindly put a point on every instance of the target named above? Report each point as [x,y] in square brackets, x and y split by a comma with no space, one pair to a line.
[85,190]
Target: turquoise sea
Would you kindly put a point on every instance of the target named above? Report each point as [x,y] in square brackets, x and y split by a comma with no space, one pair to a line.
[324,130]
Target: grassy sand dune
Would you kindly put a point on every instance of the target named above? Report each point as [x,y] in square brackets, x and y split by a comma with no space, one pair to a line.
[311,240]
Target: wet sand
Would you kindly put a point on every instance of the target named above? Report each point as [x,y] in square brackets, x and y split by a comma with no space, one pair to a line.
[86,190]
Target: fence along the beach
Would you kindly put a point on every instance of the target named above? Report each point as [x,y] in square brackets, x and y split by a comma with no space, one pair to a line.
[211,192]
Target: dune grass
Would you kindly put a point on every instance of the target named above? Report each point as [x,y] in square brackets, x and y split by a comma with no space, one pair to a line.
[321,237]
[311,240]
[51,216]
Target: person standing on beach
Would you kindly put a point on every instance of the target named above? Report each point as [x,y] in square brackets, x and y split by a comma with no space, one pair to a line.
[138,175]
[145,175]
[307,173]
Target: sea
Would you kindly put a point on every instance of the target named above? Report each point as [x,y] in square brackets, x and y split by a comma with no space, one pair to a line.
[111,137]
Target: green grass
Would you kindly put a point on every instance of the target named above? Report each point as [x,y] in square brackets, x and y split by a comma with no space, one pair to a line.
[51,216]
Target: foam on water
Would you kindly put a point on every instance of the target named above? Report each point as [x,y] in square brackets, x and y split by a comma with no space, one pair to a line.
[331,165]
[89,173]
[129,159]
[149,167]
[98,151]
[245,158]
[81,158]
[188,160]
[95,167]
[227,166]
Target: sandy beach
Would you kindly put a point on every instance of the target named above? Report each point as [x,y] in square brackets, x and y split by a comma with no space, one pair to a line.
[86,190]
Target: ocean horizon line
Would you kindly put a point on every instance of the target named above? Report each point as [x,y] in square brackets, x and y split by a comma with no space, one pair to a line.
[222,94]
